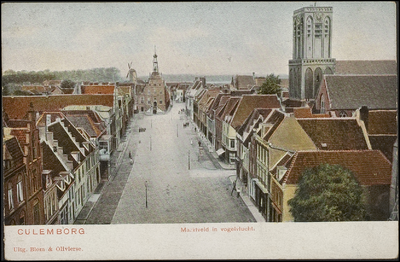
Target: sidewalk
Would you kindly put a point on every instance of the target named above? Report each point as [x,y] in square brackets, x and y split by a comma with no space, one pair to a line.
[116,158]
[213,156]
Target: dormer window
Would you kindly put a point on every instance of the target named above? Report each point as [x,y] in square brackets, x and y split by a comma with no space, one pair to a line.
[342,114]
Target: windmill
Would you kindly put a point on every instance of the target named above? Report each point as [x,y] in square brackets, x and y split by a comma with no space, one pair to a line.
[131,73]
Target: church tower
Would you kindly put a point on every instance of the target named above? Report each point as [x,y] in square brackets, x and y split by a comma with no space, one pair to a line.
[312,50]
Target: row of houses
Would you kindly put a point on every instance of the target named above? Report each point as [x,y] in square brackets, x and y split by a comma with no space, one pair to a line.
[272,139]
[57,149]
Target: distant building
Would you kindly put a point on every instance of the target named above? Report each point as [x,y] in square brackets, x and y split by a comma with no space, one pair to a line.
[153,97]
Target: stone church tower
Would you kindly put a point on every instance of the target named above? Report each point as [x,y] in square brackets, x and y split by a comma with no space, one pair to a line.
[312,50]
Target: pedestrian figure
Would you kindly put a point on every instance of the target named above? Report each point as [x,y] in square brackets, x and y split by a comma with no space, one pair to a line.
[130,155]
[131,161]
[191,141]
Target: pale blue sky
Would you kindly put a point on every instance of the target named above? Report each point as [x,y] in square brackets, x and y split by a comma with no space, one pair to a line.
[203,38]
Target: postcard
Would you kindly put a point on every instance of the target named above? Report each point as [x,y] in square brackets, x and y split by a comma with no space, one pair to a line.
[199,130]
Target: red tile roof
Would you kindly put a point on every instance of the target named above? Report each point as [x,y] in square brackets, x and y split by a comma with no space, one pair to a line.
[228,108]
[335,133]
[14,149]
[383,143]
[370,167]
[17,107]
[247,105]
[305,112]
[382,122]
[98,89]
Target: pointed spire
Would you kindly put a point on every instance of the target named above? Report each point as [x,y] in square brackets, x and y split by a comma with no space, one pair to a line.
[155,62]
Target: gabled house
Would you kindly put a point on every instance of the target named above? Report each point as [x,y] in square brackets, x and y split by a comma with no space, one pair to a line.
[91,124]
[216,125]
[243,138]
[79,157]
[196,100]
[243,82]
[15,182]
[192,92]
[232,122]
[224,133]
[381,127]
[108,141]
[58,187]
[277,138]
[370,167]
[27,134]
[203,105]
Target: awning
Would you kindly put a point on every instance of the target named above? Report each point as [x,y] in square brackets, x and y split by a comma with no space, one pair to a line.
[220,151]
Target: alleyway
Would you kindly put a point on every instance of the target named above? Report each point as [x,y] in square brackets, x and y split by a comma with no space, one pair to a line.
[175,178]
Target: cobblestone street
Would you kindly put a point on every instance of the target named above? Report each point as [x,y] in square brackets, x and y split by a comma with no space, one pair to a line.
[172,174]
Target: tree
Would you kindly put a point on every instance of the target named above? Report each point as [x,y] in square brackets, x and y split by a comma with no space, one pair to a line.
[271,85]
[67,84]
[328,193]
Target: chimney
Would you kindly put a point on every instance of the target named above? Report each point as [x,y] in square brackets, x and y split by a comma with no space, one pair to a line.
[48,121]
[31,112]
[364,116]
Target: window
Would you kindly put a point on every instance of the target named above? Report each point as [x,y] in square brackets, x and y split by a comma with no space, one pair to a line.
[343,114]
[160,102]
[35,181]
[322,110]
[20,194]
[232,143]
[34,154]
[10,197]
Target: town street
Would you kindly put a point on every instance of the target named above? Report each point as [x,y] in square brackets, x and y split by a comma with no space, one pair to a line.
[172,180]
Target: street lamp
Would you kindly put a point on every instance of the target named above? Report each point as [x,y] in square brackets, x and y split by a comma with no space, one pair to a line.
[189,159]
[145,185]
[176,130]
[150,142]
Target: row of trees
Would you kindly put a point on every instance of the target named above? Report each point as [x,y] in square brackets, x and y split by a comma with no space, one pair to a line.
[111,74]
[12,81]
